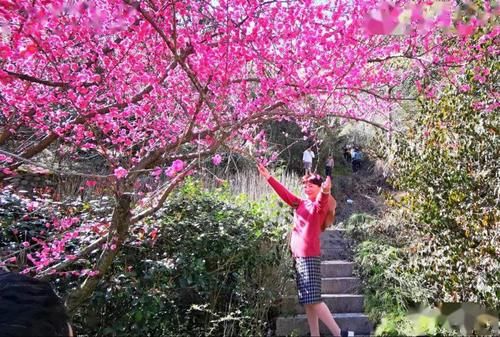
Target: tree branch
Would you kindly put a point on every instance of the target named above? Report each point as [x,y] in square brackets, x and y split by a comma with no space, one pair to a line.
[54,170]
[52,136]
[120,224]
[33,79]
[66,263]
[164,195]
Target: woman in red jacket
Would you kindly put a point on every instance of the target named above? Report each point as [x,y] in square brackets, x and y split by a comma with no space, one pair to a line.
[310,218]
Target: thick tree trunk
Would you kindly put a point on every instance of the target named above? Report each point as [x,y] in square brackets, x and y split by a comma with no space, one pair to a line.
[119,231]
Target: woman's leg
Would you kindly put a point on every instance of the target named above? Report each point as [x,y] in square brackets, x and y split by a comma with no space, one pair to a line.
[322,312]
[312,319]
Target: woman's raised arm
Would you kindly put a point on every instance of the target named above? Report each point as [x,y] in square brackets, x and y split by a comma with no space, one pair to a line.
[281,190]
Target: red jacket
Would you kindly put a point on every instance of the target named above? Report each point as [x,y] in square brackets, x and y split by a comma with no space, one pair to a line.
[307,220]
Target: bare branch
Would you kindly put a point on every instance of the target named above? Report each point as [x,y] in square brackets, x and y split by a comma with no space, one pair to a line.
[164,195]
[33,79]
[54,170]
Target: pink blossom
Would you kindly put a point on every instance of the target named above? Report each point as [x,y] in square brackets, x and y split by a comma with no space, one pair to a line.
[5,78]
[120,173]
[464,30]
[217,159]
[464,87]
[157,172]
[71,257]
[25,244]
[93,273]
[32,205]
[178,165]
[90,183]
[6,158]
[7,170]
[170,172]
[274,156]
[444,18]
[382,20]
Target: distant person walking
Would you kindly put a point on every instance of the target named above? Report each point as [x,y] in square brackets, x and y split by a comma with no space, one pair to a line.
[307,158]
[347,154]
[357,157]
[329,166]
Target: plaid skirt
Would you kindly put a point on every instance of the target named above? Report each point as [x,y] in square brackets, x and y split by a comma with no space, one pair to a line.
[308,277]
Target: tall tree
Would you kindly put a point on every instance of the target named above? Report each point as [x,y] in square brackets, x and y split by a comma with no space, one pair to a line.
[153,86]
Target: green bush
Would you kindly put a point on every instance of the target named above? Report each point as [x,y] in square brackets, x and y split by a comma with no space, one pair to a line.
[392,284]
[213,268]
[447,163]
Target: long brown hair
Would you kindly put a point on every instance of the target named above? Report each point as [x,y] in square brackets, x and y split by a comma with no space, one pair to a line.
[316,179]
[330,215]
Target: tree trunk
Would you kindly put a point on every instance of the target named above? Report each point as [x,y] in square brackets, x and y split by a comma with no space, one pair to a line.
[118,233]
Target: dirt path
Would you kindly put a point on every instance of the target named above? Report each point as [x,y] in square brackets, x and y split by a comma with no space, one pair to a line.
[363,188]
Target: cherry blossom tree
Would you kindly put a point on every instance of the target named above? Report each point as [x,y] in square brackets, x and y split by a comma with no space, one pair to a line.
[153,87]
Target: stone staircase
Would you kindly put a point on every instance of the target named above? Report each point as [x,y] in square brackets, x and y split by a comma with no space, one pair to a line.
[340,291]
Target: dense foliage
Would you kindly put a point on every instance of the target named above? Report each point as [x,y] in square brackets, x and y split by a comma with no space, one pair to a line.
[205,267]
[397,297]
[448,166]
[390,283]
[439,240]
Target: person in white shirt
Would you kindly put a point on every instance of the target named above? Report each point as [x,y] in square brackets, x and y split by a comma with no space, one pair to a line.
[357,157]
[307,158]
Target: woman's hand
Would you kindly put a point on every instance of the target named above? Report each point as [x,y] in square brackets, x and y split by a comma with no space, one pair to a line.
[326,186]
[263,171]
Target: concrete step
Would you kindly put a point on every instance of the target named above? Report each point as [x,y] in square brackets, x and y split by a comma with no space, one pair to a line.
[340,285]
[336,268]
[330,285]
[335,254]
[338,303]
[334,238]
[333,234]
[359,323]
[334,243]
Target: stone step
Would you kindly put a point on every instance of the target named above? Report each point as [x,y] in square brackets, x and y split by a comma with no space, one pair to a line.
[333,243]
[338,303]
[334,238]
[297,325]
[336,268]
[331,285]
[340,285]
[333,234]
[335,254]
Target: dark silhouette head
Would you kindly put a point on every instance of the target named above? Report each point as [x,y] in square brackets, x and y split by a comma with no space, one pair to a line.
[29,307]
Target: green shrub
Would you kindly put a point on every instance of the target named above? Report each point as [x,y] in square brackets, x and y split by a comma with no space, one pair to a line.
[213,269]
[391,285]
[447,163]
